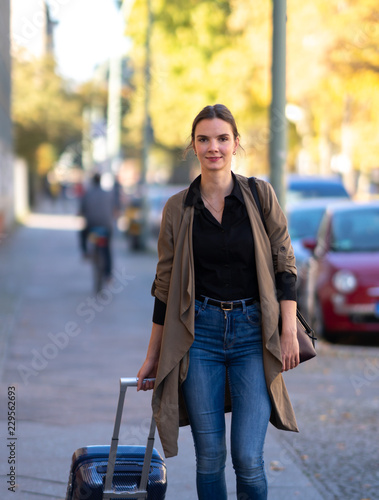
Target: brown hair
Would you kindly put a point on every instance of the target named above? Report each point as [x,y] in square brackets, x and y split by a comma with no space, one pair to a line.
[210,112]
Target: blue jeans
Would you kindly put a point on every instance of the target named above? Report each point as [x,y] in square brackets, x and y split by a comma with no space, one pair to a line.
[228,344]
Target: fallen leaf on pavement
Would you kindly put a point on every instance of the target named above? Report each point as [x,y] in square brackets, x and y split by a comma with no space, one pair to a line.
[276,466]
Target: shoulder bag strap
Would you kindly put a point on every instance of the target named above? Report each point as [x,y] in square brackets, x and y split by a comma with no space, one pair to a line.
[254,192]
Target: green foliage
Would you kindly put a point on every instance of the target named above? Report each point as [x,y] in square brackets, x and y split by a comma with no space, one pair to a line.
[333,70]
[198,58]
[46,156]
[205,52]
[46,113]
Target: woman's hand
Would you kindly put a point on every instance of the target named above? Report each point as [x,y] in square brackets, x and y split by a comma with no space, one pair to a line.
[147,370]
[288,336]
[150,365]
[290,350]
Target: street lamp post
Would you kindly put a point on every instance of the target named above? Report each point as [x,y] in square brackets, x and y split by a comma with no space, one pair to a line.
[114,114]
[278,123]
[147,129]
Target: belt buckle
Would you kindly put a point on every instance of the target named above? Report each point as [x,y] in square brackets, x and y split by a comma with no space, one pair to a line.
[227,306]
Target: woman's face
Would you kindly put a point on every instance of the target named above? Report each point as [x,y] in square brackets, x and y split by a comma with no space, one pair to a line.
[214,144]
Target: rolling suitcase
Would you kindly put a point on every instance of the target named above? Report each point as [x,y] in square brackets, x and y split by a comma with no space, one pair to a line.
[123,472]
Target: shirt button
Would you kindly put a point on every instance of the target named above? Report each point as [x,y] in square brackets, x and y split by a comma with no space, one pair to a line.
[282,249]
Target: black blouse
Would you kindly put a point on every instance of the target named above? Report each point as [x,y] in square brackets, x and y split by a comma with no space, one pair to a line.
[224,254]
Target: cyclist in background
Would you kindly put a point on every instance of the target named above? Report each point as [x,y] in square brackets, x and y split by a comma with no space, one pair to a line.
[98,208]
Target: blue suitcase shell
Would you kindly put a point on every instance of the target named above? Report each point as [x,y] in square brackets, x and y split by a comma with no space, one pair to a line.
[89,467]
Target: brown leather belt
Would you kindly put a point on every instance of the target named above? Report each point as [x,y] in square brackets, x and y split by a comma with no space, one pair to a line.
[227,305]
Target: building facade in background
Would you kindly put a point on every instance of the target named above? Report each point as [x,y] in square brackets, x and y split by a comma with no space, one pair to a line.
[6,155]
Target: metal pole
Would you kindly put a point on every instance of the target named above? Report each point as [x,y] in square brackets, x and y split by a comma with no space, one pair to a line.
[147,123]
[114,114]
[87,157]
[147,129]
[114,93]
[278,122]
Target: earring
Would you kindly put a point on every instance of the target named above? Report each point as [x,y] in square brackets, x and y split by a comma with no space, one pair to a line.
[234,153]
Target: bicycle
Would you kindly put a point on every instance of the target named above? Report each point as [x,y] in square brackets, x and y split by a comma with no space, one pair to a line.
[99,252]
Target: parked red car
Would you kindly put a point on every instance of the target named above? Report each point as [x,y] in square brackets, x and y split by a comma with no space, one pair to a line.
[343,276]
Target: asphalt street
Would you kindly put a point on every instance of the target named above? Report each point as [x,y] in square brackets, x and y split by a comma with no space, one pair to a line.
[63,351]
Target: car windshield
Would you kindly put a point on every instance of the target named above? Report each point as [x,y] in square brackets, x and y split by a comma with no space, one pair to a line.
[356,231]
[304,223]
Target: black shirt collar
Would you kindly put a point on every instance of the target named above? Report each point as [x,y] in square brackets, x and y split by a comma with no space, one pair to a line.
[193,197]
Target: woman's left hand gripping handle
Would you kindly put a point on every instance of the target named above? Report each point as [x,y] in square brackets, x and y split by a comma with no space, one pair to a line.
[150,366]
[146,376]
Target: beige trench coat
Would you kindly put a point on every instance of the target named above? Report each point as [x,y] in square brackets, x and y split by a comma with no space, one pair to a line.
[174,285]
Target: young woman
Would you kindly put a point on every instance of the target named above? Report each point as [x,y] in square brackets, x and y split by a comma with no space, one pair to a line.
[215,346]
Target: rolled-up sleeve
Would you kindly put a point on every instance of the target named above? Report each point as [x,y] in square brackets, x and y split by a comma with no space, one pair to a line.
[286,286]
[159,313]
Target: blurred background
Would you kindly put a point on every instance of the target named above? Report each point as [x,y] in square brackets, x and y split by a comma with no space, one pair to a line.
[114,86]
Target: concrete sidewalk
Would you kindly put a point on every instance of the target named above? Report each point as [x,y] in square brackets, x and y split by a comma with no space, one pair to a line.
[45,453]
[64,350]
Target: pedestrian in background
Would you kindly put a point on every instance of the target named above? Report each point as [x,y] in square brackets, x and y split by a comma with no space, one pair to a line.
[215,344]
[98,208]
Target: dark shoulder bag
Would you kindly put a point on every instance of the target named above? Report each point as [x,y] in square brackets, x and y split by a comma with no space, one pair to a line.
[305,334]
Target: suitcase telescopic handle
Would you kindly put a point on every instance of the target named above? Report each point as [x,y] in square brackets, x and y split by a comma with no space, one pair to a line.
[109,493]
[132,382]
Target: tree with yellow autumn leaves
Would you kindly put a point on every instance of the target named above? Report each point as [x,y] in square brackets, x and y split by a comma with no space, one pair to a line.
[204,52]
[208,51]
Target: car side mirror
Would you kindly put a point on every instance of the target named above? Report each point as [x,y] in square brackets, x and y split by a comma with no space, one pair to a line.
[309,243]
